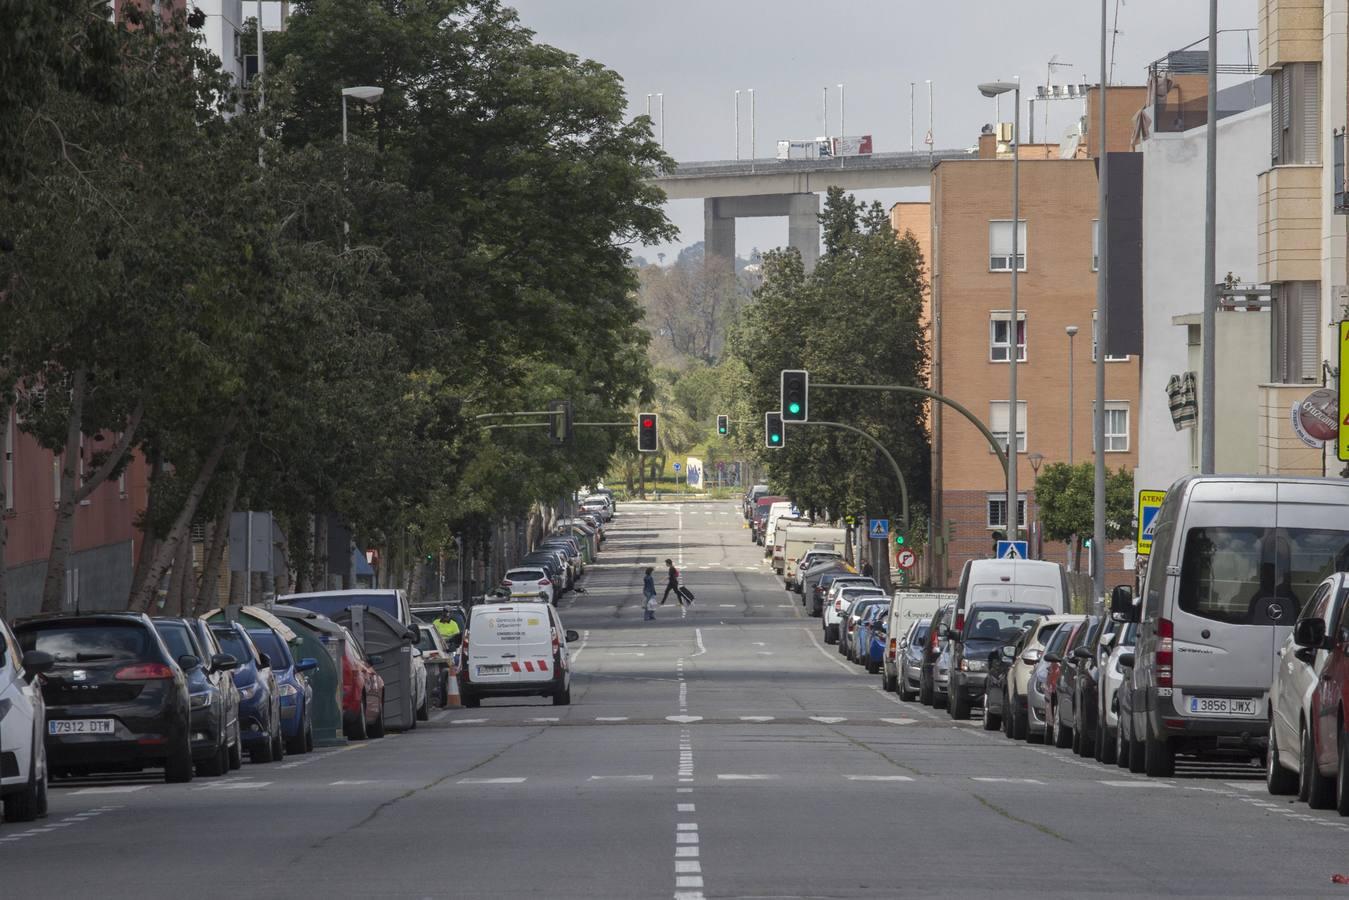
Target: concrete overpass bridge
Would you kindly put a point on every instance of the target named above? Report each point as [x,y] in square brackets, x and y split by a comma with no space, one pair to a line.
[733,189]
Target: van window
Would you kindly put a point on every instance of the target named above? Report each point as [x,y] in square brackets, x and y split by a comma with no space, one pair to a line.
[1256,576]
[1155,588]
[1003,623]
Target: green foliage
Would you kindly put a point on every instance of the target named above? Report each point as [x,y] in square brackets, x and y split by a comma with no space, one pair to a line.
[854,320]
[1065,495]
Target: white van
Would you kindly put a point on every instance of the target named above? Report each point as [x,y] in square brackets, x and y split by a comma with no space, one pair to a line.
[1031,581]
[906,607]
[778,540]
[515,650]
[799,539]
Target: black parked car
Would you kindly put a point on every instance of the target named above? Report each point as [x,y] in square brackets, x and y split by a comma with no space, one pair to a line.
[210,646]
[215,723]
[1000,665]
[117,699]
[988,627]
[1062,726]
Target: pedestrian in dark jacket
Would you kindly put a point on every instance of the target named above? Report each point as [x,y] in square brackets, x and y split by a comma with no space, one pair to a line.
[866,568]
[672,582]
[649,594]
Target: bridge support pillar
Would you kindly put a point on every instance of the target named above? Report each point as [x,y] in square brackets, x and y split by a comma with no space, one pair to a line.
[719,215]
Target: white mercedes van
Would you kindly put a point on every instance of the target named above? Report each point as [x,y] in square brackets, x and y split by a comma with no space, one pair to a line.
[515,650]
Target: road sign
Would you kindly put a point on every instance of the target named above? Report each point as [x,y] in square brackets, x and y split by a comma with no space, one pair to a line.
[905,559]
[1013,550]
[1342,441]
[879,529]
[1148,504]
[676,465]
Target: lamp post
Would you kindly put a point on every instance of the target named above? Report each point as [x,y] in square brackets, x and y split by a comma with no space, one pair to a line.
[996,89]
[366,94]
[1071,331]
[1036,460]
[737,125]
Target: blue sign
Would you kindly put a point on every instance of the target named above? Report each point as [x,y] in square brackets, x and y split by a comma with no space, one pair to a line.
[879,529]
[676,465]
[1013,550]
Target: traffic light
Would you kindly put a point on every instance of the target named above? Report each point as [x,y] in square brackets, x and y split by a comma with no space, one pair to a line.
[795,395]
[773,436]
[723,425]
[559,421]
[646,433]
[899,539]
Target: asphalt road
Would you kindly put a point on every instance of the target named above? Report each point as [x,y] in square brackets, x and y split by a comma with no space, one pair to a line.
[726,753]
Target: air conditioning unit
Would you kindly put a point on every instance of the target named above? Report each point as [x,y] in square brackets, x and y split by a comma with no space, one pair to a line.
[1005,132]
[1040,92]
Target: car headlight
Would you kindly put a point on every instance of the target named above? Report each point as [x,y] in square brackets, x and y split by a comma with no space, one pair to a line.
[289,690]
[249,691]
[202,700]
[973,665]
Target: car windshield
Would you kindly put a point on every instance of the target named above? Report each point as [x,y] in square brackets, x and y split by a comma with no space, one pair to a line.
[268,642]
[231,643]
[1000,623]
[176,638]
[87,642]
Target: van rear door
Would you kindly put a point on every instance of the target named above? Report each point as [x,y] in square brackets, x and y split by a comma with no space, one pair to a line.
[511,643]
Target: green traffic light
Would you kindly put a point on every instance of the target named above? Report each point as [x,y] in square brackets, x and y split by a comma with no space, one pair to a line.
[776,438]
[899,539]
[794,408]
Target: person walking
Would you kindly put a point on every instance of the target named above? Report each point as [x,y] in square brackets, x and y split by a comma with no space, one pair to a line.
[649,595]
[671,582]
[866,568]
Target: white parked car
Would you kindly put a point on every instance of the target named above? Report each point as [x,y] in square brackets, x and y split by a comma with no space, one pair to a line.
[598,505]
[23,729]
[530,584]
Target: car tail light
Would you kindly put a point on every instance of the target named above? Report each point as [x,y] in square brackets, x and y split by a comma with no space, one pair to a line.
[960,623]
[557,642]
[506,582]
[543,582]
[144,672]
[894,643]
[1164,656]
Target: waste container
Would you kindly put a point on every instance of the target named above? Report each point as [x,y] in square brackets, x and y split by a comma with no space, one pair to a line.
[404,673]
[317,631]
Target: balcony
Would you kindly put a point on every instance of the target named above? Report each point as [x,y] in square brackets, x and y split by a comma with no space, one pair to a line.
[1290,31]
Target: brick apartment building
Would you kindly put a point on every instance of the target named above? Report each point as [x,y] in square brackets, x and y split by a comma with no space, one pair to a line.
[967,243]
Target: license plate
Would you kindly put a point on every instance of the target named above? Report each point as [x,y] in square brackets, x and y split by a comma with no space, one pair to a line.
[81,726]
[1222,706]
[493,670]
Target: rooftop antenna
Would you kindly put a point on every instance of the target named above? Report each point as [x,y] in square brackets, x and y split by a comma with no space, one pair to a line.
[1114,38]
[1049,82]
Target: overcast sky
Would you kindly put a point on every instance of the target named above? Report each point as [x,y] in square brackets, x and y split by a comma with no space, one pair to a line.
[698,52]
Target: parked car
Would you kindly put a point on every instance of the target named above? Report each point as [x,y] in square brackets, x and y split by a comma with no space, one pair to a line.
[1084,672]
[1233,560]
[572,547]
[598,506]
[215,725]
[763,512]
[514,649]
[987,627]
[751,498]
[814,587]
[202,630]
[530,584]
[1327,773]
[362,692]
[809,560]
[1029,581]
[854,605]
[1109,742]
[1060,683]
[933,646]
[1038,685]
[439,661]
[552,562]
[608,495]
[23,727]
[1009,698]
[1001,664]
[871,645]
[1293,763]
[116,698]
[831,586]
[297,696]
[259,694]
[909,660]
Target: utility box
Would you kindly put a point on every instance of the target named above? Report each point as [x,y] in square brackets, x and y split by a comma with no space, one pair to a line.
[404,673]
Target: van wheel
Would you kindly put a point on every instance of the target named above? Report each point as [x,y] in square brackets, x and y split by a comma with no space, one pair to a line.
[1342,777]
[31,802]
[1137,762]
[1279,779]
[1315,788]
[889,683]
[1159,758]
[470,701]
[562,697]
[959,705]
[992,721]
[925,691]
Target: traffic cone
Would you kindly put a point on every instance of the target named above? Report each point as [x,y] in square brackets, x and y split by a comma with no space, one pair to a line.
[452,690]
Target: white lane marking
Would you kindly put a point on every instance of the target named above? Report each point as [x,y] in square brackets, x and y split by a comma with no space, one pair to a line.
[611,718]
[900,721]
[1246,785]
[878,778]
[622,777]
[698,633]
[344,783]
[999,780]
[686,851]
[683,790]
[684,807]
[1139,783]
[726,605]
[464,722]
[116,789]
[585,639]
[688,865]
[684,837]
[546,719]
[756,718]
[687,826]
[828,720]
[734,777]
[490,781]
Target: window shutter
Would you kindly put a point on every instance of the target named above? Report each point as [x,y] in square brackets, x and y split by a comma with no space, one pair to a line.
[1309,331]
[1310,102]
[1276,116]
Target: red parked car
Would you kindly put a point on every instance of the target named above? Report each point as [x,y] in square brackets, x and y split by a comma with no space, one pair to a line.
[1054,733]
[1325,783]
[362,693]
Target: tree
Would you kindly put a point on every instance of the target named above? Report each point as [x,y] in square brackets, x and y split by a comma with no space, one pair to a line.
[1065,497]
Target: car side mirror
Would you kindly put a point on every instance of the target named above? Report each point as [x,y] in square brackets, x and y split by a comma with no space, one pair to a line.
[1309,633]
[1082,653]
[1121,603]
[1008,653]
[38,662]
[307,664]
[224,662]
[264,661]
[1032,656]
[572,636]
[414,634]
[1306,655]
[1126,660]
[943,630]
[189,661]
[1053,658]
[376,660]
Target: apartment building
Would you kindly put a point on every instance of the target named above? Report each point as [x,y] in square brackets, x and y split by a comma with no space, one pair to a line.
[973,337]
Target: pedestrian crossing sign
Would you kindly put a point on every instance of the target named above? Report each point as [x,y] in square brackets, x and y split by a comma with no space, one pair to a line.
[1148,504]
[879,529]
[1013,550]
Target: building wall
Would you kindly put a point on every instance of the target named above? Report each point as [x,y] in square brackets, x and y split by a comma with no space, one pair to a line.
[1058,288]
[1173,275]
[225,21]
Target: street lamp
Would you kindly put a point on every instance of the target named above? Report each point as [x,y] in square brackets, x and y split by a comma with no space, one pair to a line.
[996,89]
[366,94]
[1071,331]
[1036,460]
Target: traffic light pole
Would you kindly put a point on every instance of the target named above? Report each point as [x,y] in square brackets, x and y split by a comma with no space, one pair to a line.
[899,476]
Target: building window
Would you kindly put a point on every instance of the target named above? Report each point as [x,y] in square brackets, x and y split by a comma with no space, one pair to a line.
[997,423]
[1095,245]
[1116,427]
[997,510]
[9,462]
[1000,246]
[1295,114]
[1000,336]
[1108,357]
[238,47]
[1295,356]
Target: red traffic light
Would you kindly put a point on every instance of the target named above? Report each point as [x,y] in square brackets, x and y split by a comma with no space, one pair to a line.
[647,441]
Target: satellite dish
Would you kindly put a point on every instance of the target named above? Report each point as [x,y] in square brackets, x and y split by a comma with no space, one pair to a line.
[1072,140]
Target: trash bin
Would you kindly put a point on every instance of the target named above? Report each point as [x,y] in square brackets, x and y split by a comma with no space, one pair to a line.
[380,634]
